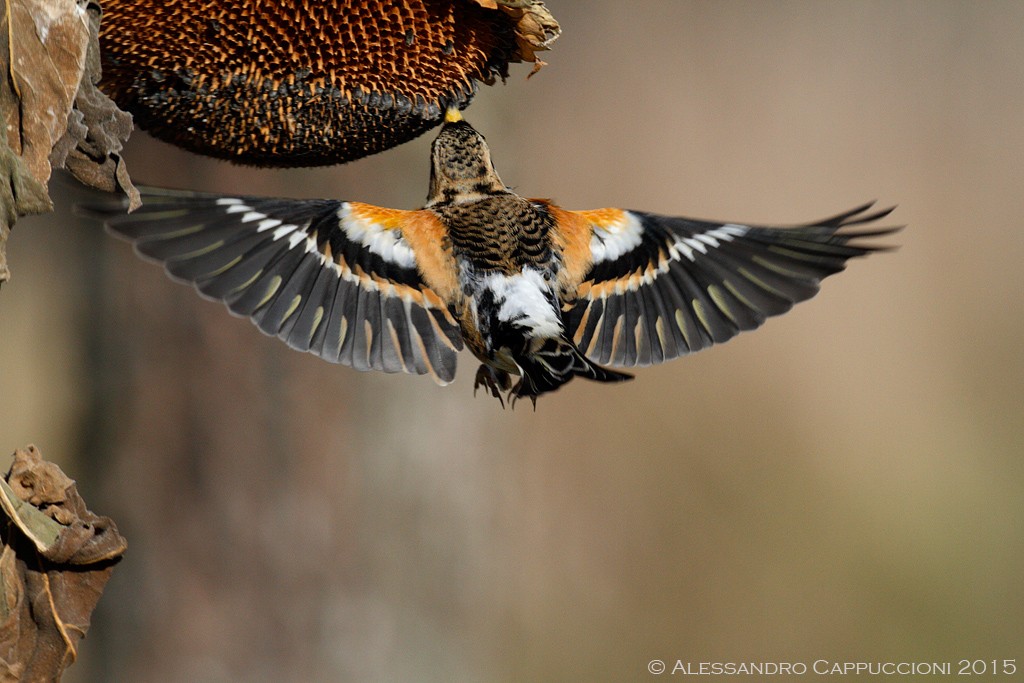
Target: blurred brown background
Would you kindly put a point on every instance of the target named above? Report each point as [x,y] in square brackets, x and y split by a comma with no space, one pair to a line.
[845,483]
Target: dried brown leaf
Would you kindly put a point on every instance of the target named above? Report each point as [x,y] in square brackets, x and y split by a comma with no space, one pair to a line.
[55,560]
[536,28]
[49,54]
[46,41]
[91,145]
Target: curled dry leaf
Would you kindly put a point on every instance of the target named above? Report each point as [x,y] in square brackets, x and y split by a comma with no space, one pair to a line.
[55,559]
[91,146]
[42,45]
[536,28]
[49,53]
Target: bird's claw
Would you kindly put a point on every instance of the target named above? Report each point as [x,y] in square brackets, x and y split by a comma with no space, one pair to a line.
[494,381]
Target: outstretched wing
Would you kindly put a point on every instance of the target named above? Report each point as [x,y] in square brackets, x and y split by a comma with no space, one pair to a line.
[650,288]
[338,279]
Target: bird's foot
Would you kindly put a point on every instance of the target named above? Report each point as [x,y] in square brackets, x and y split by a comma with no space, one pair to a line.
[519,391]
[494,381]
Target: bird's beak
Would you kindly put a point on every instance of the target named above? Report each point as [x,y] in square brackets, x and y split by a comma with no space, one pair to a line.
[452,115]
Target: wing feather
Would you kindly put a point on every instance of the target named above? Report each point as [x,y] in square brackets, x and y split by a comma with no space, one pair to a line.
[651,288]
[302,329]
[337,279]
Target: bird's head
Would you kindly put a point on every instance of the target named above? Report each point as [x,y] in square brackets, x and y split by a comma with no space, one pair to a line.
[461,168]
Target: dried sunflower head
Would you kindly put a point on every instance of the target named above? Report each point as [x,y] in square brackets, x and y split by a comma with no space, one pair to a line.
[307,82]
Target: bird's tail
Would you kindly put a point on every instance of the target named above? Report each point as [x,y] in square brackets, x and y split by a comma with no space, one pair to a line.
[553,362]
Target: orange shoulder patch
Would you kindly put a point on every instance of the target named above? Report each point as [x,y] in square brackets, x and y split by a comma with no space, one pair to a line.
[603,218]
[389,219]
[572,234]
[428,237]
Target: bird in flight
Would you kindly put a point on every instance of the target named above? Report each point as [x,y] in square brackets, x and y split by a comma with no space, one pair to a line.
[539,294]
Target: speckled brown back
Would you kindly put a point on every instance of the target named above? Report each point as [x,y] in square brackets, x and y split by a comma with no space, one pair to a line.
[298,82]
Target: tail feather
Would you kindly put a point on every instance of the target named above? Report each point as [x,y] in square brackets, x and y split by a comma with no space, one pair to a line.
[554,362]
